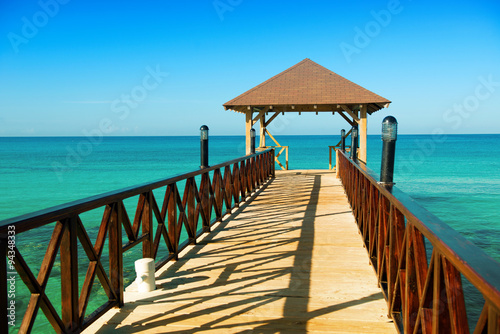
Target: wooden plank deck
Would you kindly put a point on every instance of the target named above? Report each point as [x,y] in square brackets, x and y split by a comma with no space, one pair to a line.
[289,261]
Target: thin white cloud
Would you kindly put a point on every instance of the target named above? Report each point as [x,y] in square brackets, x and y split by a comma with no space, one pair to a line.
[108,102]
[87,102]
[158,101]
[192,101]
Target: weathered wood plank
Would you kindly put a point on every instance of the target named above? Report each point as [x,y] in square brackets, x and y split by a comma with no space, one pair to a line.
[69,274]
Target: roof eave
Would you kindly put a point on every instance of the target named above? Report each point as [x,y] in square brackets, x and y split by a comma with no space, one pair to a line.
[330,107]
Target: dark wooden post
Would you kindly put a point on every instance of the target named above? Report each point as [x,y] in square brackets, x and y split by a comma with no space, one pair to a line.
[228,189]
[260,170]
[115,252]
[147,225]
[191,208]
[243,183]
[205,201]
[69,274]
[257,171]
[218,187]
[236,185]
[493,320]
[249,178]
[252,141]
[273,167]
[172,220]
[251,173]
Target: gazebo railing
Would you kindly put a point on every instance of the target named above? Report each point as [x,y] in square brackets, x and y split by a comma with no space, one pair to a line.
[332,151]
[279,150]
[420,261]
[222,188]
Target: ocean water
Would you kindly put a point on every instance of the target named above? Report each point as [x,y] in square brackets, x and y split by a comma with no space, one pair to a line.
[456,177]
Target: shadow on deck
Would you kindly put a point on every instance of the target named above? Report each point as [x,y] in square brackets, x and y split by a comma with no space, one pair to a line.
[289,261]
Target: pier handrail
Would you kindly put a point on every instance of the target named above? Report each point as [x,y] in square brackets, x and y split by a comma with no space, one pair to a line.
[279,150]
[218,194]
[424,294]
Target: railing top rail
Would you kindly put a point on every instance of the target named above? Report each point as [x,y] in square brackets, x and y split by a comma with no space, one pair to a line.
[52,214]
[478,267]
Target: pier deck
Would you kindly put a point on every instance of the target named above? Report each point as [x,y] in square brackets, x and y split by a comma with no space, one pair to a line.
[288,261]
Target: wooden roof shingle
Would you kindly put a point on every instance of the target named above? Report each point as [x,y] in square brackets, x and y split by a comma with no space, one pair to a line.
[305,84]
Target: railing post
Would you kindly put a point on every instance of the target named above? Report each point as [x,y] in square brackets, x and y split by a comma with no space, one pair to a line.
[116,252]
[389,137]
[252,166]
[337,165]
[191,206]
[493,320]
[147,225]
[205,201]
[252,141]
[171,217]
[273,166]
[354,143]
[286,156]
[204,146]
[69,275]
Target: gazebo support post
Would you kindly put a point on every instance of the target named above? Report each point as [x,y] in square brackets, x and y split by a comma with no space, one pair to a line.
[248,127]
[363,122]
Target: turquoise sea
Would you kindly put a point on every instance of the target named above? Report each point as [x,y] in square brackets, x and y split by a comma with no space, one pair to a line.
[456,177]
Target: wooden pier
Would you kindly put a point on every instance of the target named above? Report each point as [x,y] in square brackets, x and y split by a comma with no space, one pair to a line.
[266,252]
[241,248]
[290,260]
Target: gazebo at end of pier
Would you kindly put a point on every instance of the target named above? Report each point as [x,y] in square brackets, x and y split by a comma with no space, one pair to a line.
[307,87]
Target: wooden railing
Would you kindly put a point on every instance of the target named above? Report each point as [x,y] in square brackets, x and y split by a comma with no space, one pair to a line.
[219,195]
[420,261]
[332,153]
[333,149]
[279,150]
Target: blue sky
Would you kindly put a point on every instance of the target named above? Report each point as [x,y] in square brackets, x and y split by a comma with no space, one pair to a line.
[70,68]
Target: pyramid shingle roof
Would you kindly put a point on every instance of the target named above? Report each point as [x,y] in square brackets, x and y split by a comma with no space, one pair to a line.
[304,85]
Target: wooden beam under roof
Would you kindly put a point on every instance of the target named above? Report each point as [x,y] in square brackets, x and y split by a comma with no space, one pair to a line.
[350,112]
[347,119]
[272,118]
[261,113]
